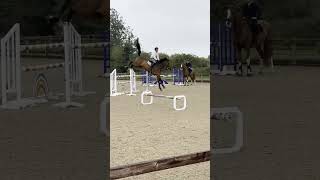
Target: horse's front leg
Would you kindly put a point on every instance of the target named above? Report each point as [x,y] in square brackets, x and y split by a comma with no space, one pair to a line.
[248,59]
[238,65]
[271,64]
[160,82]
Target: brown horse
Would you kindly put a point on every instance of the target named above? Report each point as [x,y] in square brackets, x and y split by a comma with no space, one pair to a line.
[187,74]
[141,63]
[245,39]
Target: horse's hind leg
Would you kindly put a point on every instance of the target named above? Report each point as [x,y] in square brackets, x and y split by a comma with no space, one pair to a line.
[191,81]
[185,81]
[239,68]
[261,56]
[159,82]
[162,84]
[194,79]
[268,54]
[159,85]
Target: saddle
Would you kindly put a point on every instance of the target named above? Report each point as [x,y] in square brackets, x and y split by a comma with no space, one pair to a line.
[152,63]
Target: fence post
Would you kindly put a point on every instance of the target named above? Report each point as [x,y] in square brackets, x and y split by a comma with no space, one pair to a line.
[293,50]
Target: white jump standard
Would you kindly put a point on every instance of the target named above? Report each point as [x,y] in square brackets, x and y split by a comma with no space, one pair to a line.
[11,68]
[73,67]
[230,113]
[114,83]
[11,72]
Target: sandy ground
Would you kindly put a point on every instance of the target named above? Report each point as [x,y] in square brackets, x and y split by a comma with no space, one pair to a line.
[282,125]
[45,142]
[146,132]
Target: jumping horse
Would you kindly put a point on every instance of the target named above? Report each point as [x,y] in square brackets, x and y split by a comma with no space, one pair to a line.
[141,63]
[243,38]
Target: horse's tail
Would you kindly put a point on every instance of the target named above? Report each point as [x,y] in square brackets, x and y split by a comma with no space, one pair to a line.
[138,47]
[193,76]
[268,48]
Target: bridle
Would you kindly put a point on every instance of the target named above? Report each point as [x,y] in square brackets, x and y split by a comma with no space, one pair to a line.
[229,16]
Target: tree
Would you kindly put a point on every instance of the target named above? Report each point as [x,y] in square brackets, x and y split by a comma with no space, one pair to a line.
[122,41]
[123,48]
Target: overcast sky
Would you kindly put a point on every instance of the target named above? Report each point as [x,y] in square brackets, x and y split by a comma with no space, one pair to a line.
[175,26]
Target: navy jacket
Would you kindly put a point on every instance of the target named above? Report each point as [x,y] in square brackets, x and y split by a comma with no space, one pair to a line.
[251,10]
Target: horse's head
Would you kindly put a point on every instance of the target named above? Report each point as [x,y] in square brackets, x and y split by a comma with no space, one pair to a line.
[165,63]
[229,18]
[233,16]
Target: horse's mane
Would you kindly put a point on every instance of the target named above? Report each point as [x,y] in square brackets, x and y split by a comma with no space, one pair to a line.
[163,59]
[162,63]
[236,13]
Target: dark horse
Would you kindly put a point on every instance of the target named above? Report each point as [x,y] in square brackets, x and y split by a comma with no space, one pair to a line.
[142,63]
[245,39]
[64,10]
[187,74]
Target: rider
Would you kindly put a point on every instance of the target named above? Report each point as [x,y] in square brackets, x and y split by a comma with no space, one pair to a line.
[154,56]
[252,12]
[189,66]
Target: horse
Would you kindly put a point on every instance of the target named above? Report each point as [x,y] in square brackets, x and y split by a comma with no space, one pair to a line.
[141,63]
[187,74]
[243,38]
[66,9]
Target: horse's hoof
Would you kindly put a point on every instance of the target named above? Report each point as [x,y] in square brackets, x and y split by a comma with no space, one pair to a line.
[239,74]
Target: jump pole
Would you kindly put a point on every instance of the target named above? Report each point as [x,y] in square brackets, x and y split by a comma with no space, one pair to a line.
[147,92]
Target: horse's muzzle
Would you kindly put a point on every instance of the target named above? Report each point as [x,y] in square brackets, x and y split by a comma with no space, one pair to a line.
[228,23]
